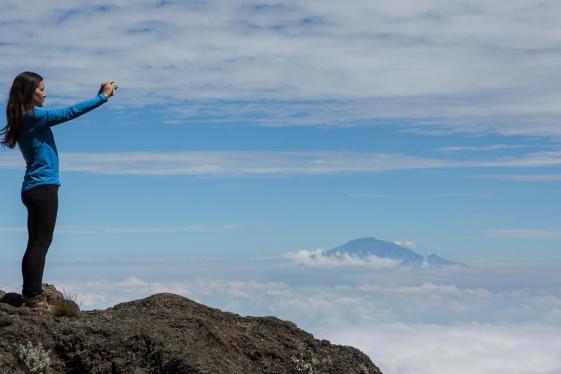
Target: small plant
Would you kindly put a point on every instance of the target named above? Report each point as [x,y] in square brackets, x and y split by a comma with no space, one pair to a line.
[35,359]
[67,306]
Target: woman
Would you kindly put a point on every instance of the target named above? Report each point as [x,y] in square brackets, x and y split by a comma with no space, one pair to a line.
[29,126]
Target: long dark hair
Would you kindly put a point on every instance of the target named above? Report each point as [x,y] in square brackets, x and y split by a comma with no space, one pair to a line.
[21,100]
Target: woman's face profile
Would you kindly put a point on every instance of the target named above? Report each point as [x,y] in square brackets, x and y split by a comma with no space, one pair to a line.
[39,94]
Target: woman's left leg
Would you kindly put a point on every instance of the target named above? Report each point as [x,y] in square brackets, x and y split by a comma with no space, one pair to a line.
[42,207]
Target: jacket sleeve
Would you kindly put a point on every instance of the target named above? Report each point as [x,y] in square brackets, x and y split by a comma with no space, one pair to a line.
[52,117]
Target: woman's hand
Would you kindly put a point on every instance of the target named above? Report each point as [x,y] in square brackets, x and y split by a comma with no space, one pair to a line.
[107,88]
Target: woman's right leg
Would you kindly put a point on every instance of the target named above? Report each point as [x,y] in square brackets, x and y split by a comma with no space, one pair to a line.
[42,207]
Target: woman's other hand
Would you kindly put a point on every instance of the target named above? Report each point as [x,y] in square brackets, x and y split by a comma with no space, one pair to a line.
[107,88]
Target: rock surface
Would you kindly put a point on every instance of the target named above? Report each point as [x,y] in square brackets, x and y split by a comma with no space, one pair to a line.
[167,333]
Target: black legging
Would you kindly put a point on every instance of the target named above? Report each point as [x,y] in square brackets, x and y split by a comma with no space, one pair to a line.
[42,207]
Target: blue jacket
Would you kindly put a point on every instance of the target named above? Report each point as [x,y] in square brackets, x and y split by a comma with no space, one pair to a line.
[37,144]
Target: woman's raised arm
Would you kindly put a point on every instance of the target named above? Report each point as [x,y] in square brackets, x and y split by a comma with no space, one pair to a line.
[52,117]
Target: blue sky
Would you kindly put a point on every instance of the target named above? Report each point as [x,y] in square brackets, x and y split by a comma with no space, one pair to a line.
[244,131]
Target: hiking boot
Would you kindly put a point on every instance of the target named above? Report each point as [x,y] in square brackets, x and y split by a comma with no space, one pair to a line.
[37,302]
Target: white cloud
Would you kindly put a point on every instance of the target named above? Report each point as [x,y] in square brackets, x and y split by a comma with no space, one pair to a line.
[467,194]
[492,147]
[315,304]
[367,195]
[523,233]
[460,349]
[426,288]
[407,244]
[376,319]
[211,228]
[315,296]
[94,230]
[257,163]
[316,258]
[364,318]
[13,229]
[448,66]
[521,177]
[240,162]
[12,160]
[102,293]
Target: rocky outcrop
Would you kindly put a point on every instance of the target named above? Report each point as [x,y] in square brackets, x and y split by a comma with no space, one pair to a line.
[163,333]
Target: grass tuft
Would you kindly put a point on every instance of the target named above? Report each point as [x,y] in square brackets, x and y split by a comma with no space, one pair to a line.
[67,307]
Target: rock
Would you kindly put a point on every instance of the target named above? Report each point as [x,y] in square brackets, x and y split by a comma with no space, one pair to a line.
[168,333]
[12,298]
[52,294]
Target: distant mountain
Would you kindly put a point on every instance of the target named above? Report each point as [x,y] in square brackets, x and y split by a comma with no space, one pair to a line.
[365,247]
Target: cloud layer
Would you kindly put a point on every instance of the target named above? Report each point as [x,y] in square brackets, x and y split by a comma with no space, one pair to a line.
[477,330]
[471,66]
[94,230]
[305,295]
[404,324]
[459,349]
[316,258]
[256,163]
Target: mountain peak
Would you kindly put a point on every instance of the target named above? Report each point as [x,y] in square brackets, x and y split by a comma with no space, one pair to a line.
[370,246]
